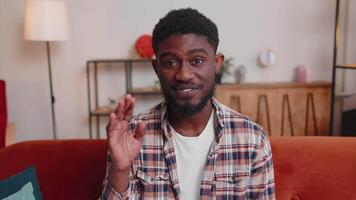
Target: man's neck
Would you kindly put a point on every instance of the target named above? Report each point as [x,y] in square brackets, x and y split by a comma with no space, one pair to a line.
[190,126]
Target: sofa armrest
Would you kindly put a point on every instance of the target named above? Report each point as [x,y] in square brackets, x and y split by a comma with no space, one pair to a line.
[66,169]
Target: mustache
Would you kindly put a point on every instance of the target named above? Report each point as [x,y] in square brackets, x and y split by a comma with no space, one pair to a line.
[183,86]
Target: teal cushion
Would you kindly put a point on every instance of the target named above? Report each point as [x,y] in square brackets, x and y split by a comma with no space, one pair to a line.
[26,192]
[23,185]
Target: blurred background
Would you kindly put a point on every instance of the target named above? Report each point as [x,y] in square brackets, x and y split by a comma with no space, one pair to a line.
[266,40]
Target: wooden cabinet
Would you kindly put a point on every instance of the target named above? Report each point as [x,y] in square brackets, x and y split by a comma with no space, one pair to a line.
[282,109]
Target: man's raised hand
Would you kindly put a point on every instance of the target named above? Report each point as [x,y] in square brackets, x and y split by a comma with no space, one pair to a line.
[123,144]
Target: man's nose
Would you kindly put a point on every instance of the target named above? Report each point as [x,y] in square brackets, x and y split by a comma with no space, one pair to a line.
[184,72]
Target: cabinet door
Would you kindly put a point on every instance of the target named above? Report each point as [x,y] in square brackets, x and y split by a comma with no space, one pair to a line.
[281,111]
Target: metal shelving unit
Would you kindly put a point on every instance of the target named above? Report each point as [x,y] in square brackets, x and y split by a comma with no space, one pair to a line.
[96,112]
[336,65]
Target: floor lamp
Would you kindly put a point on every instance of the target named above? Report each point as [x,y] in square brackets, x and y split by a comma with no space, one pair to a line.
[46,21]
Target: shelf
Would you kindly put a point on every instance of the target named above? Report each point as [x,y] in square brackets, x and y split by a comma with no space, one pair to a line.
[345,94]
[342,16]
[349,66]
[92,72]
[105,110]
[117,60]
[144,91]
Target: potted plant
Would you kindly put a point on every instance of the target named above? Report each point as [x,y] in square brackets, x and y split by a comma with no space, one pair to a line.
[225,69]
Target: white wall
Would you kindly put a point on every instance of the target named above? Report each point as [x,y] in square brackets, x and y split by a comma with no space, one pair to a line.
[301,32]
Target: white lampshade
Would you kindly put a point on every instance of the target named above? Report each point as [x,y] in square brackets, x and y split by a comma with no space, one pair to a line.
[45,20]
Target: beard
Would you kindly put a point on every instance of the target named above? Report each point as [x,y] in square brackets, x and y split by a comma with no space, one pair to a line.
[187,108]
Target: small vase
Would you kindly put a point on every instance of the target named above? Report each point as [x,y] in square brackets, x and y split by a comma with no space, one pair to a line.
[301,74]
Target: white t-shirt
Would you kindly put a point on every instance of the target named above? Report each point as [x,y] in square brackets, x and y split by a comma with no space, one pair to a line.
[191,155]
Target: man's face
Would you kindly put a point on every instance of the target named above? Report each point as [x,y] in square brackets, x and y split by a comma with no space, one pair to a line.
[186,66]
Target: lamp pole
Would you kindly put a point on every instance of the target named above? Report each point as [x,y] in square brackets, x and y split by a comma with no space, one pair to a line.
[51,90]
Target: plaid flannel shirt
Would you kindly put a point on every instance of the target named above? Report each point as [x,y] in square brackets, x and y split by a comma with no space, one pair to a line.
[239,164]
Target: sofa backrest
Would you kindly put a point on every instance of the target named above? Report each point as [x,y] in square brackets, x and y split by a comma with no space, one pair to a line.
[66,169]
[305,167]
[315,167]
[3,113]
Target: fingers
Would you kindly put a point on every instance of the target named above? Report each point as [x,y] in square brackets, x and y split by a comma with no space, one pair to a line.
[111,122]
[122,113]
[129,106]
[112,117]
[140,130]
[119,112]
[125,107]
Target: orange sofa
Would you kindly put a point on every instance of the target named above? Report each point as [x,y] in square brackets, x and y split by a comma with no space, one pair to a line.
[306,168]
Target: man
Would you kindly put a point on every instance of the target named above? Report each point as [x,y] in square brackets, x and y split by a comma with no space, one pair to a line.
[189,146]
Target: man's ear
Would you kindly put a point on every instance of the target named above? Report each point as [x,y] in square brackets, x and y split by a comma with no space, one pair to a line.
[154,65]
[219,60]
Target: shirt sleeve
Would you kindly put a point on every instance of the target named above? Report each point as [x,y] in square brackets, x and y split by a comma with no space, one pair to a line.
[262,185]
[108,192]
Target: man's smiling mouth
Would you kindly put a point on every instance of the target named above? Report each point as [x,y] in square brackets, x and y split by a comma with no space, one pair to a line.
[185,91]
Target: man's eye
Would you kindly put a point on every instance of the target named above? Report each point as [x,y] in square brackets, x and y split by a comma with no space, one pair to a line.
[197,61]
[170,63]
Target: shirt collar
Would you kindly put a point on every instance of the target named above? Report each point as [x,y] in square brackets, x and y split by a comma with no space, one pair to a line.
[218,118]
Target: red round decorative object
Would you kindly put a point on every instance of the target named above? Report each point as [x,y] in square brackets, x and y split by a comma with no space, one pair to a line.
[144,46]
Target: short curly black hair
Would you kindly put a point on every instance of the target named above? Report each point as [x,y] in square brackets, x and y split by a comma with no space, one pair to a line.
[184,21]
